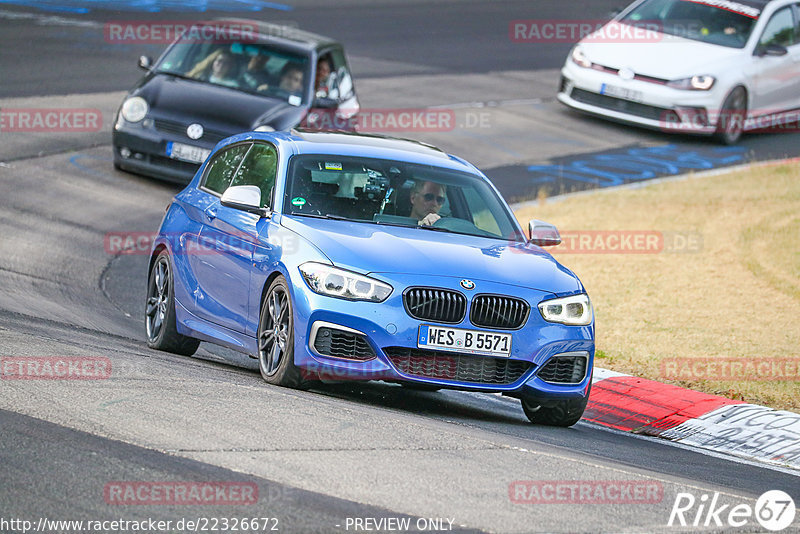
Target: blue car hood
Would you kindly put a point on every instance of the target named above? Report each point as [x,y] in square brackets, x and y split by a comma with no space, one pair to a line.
[371,248]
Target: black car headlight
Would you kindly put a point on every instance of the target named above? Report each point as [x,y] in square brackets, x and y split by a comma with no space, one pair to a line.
[336,282]
[134,109]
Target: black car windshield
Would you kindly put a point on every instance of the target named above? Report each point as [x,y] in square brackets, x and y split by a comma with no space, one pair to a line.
[394,193]
[721,22]
[255,68]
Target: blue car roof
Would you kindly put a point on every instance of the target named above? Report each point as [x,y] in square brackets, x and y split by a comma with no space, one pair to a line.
[351,144]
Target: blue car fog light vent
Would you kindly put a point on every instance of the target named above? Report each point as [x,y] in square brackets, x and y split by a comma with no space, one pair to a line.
[498,311]
[456,367]
[435,304]
[336,343]
[566,368]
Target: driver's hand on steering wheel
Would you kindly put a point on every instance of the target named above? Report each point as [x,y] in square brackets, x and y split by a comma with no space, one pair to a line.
[429,219]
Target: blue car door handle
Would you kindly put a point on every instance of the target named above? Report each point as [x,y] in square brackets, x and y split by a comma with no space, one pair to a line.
[211,213]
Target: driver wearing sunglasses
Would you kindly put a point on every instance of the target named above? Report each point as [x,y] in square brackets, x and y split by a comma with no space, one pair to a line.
[426,201]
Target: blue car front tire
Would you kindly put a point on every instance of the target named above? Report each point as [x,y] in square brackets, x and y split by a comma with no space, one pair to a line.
[276,337]
[564,413]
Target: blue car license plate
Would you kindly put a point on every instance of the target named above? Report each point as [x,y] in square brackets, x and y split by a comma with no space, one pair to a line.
[462,340]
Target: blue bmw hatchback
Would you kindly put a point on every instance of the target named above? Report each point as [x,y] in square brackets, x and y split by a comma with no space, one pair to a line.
[350,257]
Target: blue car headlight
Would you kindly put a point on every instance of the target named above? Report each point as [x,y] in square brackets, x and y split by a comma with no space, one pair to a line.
[575,310]
[335,282]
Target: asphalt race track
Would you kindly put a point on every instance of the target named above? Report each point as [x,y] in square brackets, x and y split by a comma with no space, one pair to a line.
[320,459]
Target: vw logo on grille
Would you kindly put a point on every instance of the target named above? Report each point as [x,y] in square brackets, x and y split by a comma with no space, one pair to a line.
[625,73]
[194,131]
[467,284]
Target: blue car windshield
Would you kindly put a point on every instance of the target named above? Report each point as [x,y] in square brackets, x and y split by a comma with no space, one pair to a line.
[721,22]
[396,193]
[254,68]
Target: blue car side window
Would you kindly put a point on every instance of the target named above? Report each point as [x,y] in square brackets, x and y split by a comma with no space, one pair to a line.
[259,168]
[222,168]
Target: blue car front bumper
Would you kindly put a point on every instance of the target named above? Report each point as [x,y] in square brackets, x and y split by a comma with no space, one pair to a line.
[388,350]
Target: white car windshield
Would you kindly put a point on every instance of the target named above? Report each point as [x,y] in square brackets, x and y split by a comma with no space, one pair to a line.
[721,22]
[396,193]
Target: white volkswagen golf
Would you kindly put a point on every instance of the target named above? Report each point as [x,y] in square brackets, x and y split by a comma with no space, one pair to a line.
[716,67]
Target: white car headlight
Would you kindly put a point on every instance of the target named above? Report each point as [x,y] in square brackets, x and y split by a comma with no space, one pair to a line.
[575,310]
[335,282]
[695,83]
[578,57]
[134,109]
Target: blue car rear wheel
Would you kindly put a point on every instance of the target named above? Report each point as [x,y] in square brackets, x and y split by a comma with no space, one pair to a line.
[159,313]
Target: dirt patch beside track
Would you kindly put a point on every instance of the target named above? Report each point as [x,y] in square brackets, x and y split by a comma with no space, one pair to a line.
[693,282]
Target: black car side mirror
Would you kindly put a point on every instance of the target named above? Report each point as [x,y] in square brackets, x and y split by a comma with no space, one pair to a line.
[322,102]
[145,62]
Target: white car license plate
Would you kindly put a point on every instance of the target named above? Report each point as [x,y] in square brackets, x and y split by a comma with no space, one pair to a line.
[460,340]
[193,154]
[621,92]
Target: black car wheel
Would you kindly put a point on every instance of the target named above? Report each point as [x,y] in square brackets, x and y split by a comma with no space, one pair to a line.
[562,413]
[276,337]
[159,313]
[732,116]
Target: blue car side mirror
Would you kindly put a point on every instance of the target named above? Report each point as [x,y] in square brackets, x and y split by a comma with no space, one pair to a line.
[543,234]
[245,198]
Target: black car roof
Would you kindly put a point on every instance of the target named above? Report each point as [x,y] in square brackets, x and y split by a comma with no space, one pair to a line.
[270,33]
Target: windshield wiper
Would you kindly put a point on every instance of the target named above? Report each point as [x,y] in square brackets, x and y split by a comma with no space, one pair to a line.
[438,229]
[446,230]
[178,75]
[387,223]
[321,216]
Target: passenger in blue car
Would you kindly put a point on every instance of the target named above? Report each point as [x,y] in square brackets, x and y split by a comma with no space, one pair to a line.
[426,201]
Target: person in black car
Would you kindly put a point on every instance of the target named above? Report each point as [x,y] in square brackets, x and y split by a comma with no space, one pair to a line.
[255,77]
[292,79]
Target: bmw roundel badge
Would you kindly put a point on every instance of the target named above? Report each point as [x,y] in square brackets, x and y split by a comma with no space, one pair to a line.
[468,284]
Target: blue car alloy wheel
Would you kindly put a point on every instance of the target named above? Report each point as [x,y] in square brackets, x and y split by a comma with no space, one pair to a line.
[159,312]
[276,337]
[335,256]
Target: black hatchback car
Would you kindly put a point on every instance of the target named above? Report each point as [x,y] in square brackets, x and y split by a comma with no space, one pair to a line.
[203,90]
